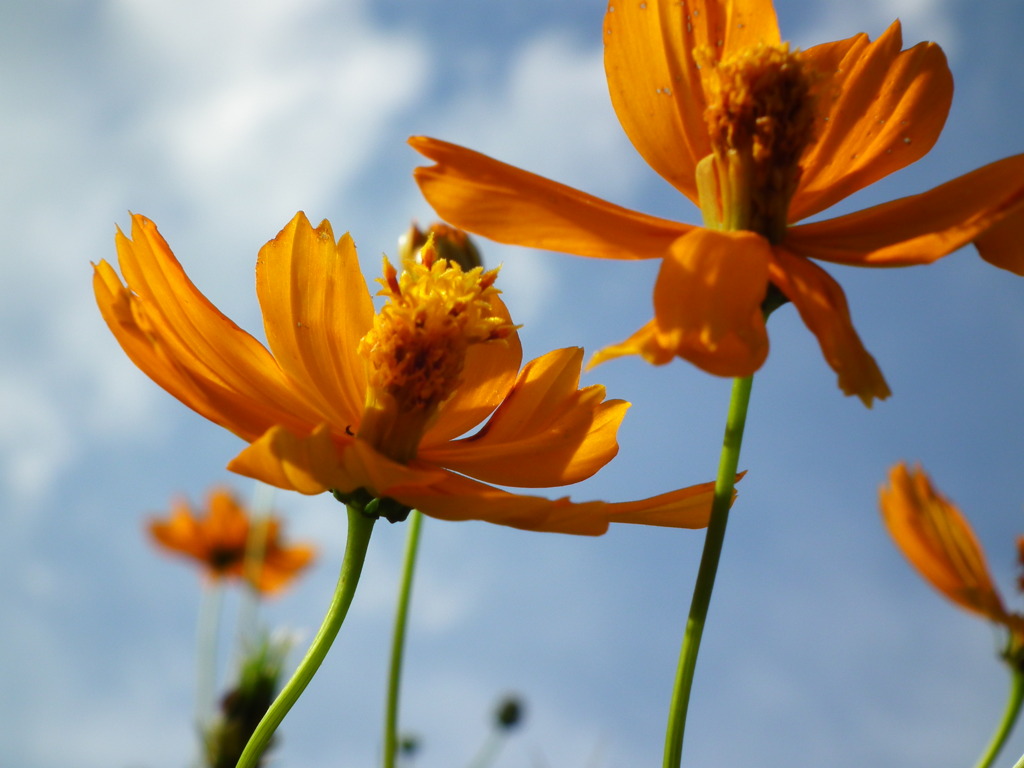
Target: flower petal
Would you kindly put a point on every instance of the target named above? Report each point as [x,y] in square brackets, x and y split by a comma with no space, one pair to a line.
[822,306]
[938,541]
[316,308]
[142,332]
[459,498]
[986,205]
[322,461]
[179,338]
[546,432]
[645,342]
[488,375]
[309,465]
[503,203]
[885,109]
[707,300]
[654,82]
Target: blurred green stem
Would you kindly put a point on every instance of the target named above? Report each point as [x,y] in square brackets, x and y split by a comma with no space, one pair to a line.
[412,543]
[360,527]
[489,751]
[1010,714]
[210,609]
[724,485]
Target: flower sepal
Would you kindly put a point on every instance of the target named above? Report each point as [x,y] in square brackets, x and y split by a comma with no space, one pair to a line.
[372,506]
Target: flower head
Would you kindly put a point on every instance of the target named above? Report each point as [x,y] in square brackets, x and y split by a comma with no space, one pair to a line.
[372,404]
[937,540]
[225,541]
[759,137]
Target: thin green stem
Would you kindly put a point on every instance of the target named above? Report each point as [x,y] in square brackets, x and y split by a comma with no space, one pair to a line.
[359,529]
[412,543]
[210,611]
[489,750]
[1010,714]
[724,484]
[255,554]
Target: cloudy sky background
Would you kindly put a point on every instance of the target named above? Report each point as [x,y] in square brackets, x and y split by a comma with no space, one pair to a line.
[219,120]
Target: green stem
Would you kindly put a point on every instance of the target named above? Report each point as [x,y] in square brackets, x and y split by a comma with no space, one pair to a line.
[724,484]
[359,529]
[489,750]
[1010,714]
[210,610]
[412,542]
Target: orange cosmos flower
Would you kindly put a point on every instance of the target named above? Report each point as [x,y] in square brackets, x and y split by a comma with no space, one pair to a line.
[759,137]
[220,540]
[938,541]
[373,405]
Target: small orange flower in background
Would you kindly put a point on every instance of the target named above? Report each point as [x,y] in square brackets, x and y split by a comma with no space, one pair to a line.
[759,137]
[362,403]
[938,541]
[220,539]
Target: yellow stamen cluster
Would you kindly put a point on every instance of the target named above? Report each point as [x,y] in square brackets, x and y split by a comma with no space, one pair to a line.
[760,117]
[416,350]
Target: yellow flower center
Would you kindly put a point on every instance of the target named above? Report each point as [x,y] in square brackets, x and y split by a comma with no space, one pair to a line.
[416,350]
[760,117]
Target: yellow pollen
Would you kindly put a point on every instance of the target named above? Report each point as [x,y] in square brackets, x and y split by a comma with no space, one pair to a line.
[760,117]
[416,350]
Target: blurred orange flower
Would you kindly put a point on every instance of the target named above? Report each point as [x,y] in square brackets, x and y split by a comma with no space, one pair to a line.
[759,137]
[363,403]
[220,539]
[938,541]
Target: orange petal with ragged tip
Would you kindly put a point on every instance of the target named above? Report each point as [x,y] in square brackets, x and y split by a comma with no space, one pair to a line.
[547,431]
[822,306]
[316,307]
[488,374]
[501,202]
[459,498]
[938,541]
[192,328]
[985,206]
[885,109]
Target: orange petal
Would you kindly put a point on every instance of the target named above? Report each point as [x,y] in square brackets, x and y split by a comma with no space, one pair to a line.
[1001,244]
[309,465]
[937,540]
[489,373]
[986,205]
[180,533]
[459,498]
[707,300]
[503,203]
[226,520]
[654,82]
[194,331]
[281,565]
[141,332]
[546,433]
[822,306]
[316,308]
[885,109]
[322,461]
[645,342]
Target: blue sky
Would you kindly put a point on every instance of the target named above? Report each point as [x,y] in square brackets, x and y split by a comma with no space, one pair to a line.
[219,120]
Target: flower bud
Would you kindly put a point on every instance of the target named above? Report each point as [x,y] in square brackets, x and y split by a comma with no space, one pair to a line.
[452,245]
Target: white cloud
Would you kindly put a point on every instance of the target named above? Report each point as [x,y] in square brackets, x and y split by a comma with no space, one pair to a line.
[921,19]
[270,109]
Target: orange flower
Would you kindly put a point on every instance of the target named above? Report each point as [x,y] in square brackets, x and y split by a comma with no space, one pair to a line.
[220,540]
[759,137]
[372,405]
[938,541]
